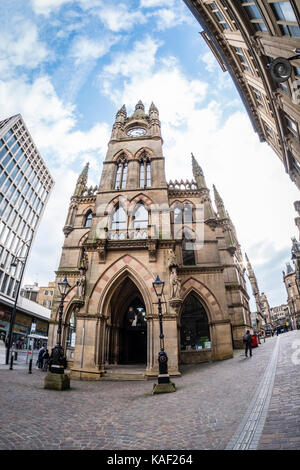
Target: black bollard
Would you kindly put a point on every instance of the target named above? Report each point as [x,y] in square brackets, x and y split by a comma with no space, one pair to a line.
[11,361]
[30,367]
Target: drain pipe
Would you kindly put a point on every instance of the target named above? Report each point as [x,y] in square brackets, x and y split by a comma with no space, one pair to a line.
[82,347]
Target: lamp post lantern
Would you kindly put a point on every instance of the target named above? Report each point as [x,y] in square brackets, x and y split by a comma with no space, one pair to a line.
[164,385]
[56,377]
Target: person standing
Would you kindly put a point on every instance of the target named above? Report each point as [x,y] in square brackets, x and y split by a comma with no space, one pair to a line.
[45,358]
[40,357]
[247,339]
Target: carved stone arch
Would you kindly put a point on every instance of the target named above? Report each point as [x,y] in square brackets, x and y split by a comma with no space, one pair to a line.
[184,229]
[115,202]
[127,265]
[205,296]
[127,155]
[176,203]
[90,208]
[140,198]
[83,239]
[147,150]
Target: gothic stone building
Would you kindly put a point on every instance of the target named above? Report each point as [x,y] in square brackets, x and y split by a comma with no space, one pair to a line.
[121,235]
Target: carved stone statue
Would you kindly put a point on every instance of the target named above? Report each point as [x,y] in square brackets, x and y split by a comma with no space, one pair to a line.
[175,284]
[172,260]
[80,286]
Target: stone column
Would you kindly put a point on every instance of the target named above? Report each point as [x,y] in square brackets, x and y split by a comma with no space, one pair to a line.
[221,340]
[84,366]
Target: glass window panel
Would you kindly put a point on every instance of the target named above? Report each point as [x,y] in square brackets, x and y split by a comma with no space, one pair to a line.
[7,159]
[7,135]
[284,11]
[4,283]
[3,152]
[6,186]
[194,332]
[141,217]
[11,141]
[15,148]
[17,156]
[10,286]
[2,178]
[119,220]
[11,191]
[188,213]
[253,12]
[10,166]
[3,206]
[142,174]
[124,176]
[148,169]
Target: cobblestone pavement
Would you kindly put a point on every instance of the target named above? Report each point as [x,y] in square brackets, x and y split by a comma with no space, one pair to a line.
[204,413]
[282,427]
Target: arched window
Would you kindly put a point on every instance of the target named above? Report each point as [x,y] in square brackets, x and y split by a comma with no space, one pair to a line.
[140,217]
[121,175]
[194,334]
[145,171]
[119,219]
[188,213]
[177,215]
[88,219]
[188,250]
[71,335]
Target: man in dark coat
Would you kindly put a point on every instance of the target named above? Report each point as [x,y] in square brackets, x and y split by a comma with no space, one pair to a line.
[248,343]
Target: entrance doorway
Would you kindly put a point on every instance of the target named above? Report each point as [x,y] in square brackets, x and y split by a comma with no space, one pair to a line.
[135,334]
[128,331]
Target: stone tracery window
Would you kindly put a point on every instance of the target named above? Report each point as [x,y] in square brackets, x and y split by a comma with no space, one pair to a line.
[141,217]
[121,176]
[188,251]
[88,219]
[119,219]
[145,171]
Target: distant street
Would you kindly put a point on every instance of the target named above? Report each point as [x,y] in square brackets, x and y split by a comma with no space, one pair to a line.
[239,403]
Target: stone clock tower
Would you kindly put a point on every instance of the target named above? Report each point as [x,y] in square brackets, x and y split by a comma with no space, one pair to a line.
[132,227]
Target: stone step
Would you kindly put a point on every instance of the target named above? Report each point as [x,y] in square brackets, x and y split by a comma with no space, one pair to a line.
[122,377]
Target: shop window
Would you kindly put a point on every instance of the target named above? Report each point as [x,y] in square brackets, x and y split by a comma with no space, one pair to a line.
[71,335]
[194,333]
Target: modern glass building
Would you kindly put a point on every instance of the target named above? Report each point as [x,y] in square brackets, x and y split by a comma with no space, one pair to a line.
[25,185]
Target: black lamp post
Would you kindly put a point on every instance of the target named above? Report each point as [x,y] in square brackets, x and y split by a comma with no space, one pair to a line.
[164,385]
[16,259]
[57,365]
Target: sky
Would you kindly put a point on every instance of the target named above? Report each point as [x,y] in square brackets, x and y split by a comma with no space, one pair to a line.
[67,66]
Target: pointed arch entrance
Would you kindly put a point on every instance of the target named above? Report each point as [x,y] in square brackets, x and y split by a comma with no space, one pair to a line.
[128,325]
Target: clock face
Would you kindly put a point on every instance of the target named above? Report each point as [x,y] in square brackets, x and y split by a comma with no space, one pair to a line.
[136,132]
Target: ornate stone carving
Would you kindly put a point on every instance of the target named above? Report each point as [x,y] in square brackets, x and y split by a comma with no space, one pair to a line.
[152,246]
[175,284]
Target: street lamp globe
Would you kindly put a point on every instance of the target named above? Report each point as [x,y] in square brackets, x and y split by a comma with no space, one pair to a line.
[63,287]
[158,286]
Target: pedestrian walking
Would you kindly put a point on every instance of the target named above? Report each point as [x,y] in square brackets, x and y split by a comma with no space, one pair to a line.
[46,357]
[247,339]
[39,361]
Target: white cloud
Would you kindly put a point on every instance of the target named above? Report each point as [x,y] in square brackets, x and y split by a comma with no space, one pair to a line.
[84,49]
[52,122]
[119,18]
[46,7]
[156,3]
[20,46]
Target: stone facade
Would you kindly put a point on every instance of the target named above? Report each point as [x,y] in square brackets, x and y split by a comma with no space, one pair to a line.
[245,38]
[121,235]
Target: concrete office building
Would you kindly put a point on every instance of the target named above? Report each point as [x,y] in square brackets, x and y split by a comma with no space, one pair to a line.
[25,185]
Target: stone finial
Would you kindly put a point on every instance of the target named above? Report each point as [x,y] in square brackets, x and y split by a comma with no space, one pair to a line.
[198,173]
[219,204]
[139,105]
[82,181]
